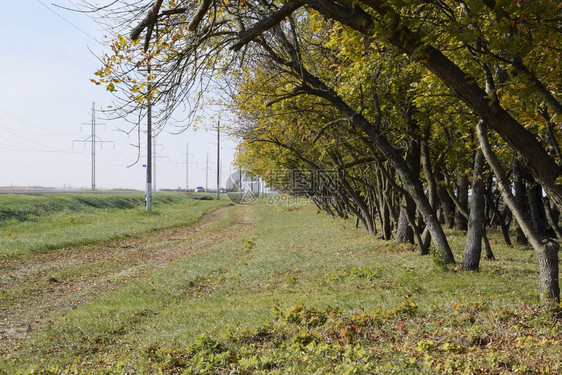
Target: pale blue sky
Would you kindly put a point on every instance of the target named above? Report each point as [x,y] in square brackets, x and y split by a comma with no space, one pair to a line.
[45,96]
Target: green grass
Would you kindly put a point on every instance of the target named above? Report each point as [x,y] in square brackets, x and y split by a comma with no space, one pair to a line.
[304,293]
[25,207]
[37,223]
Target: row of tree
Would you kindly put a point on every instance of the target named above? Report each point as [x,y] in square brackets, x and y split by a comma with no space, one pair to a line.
[390,111]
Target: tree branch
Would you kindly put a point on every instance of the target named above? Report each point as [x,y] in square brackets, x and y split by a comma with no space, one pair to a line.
[267,23]
[150,19]
[199,13]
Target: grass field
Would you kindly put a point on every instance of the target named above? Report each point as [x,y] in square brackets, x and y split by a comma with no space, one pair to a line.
[34,223]
[277,290]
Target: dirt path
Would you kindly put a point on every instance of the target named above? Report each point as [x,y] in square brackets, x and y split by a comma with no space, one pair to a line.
[36,288]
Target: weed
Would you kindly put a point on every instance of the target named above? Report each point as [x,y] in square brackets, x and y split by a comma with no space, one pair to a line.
[305,340]
[369,273]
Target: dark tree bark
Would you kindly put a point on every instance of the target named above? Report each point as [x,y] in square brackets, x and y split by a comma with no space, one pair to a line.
[404,233]
[447,204]
[536,207]
[549,285]
[520,197]
[547,253]
[361,210]
[384,212]
[553,217]
[386,224]
[503,223]
[430,180]
[462,194]
[473,248]
[404,229]
[489,253]
[508,216]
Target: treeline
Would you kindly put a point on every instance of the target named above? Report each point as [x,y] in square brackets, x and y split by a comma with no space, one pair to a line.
[373,135]
[411,116]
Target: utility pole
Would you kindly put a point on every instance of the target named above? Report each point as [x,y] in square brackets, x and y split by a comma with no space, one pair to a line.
[155,156]
[92,140]
[186,162]
[186,166]
[207,173]
[149,146]
[218,159]
[93,146]
[154,152]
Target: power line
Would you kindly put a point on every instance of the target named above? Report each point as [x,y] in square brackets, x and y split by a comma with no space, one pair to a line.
[28,149]
[67,21]
[43,147]
[52,133]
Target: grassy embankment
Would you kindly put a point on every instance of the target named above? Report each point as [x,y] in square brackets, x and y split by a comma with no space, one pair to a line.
[34,223]
[303,293]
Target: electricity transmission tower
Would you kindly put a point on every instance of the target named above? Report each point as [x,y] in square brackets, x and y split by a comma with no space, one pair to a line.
[92,140]
[155,156]
[218,159]
[152,160]
[207,173]
[186,162]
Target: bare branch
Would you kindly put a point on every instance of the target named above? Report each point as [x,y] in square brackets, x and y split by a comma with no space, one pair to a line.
[267,23]
[85,11]
[199,13]
[150,19]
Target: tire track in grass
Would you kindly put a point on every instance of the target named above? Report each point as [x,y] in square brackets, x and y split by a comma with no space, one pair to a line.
[36,288]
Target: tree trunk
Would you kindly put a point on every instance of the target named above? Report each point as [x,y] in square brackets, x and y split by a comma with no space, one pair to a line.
[489,253]
[405,229]
[447,204]
[404,233]
[536,208]
[386,227]
[462,194]
[362,211]
[414,187]
[473,248]
[501,219]
[424,247]
[384,213]
[520,197]
[547,253]
[430,180]
[549,285]
[553,216]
